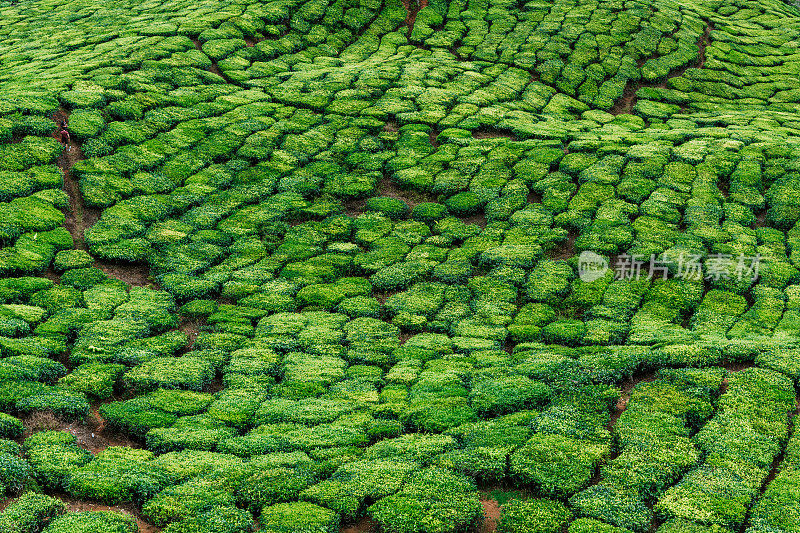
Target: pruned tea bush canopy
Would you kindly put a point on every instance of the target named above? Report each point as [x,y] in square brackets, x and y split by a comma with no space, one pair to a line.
[306,262]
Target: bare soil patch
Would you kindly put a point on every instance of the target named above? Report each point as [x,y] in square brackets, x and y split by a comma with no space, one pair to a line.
[91,434]
[41,421]
[566,249]
[703,43]
[628,100]
[387,187]
[79,218]
[135,274]
[354,207]
[479,219]
[491,516]
[365,525]
[492,133]
[215,386]
[724,186]
[413,7]
[761,219]
[191,327]
[5,503]
[52,275]
[433,137]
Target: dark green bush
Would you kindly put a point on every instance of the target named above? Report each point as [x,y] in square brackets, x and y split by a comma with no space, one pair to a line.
[62,403]
[69,259]
[612,506]
[53,456]
[116,475]
[31,513]
[95,379]
[299,517]
[533,516]
[93,522]
[182,372]
[14,472]
[226,519]
[463,203]
[588,525]
[494,397]
[555,465]
[428,212]
[10,427]
[432,500]
[390,207]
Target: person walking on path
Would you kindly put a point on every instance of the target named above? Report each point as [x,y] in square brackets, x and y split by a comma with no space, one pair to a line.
[64,134]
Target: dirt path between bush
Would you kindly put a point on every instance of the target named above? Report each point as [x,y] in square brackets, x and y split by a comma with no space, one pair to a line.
[74,506]
[214,68]
[413,7]
[628,100]
[80,218]
[491,516]
[364,525]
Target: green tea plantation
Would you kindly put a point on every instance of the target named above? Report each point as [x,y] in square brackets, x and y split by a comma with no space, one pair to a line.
[399,266]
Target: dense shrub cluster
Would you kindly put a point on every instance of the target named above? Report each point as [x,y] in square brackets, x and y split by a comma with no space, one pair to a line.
[371,234]
[739,444]
[653,436]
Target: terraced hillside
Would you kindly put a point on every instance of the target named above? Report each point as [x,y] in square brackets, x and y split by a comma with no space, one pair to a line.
[364,265]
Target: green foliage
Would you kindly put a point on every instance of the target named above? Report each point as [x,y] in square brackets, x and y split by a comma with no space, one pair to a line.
[116,475]
[219,519]
[432,500]
[556,465]
[14,472]
[31,513]
[69,259]
[587,525]
[533,516]
[346,491]
[508,395]
[741,441]
[61,403]
[10,427]
[54,455]
[93,522]
[390,207]
[95,379]
[612,506]
[231,149]
[300,517]
[188,372]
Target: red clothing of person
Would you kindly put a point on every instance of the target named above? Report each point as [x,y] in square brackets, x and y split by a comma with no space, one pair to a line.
[64,136]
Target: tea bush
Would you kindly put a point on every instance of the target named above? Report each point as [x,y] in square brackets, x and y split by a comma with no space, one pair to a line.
[356,238]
